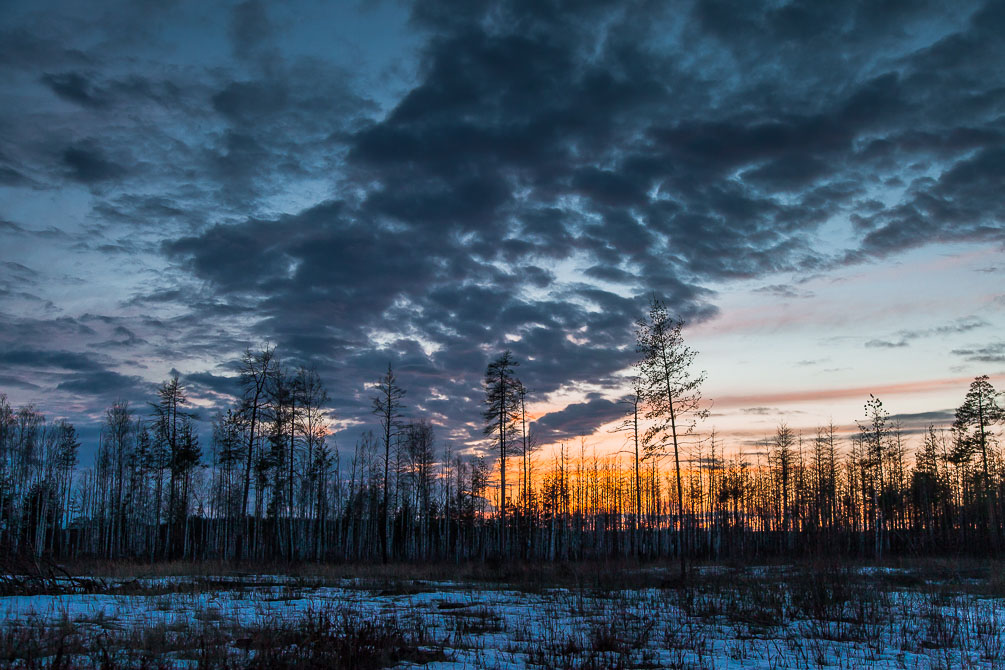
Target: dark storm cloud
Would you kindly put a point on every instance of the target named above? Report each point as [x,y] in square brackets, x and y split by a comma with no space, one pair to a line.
[82,375]
[75,87]
[535,147]
[223,385]
[12,381]
[122,338]
[23,48]
[46,359]
[134,209]
[365,279]
[656,176]
[89,165]
[578,419]
[105,384]
[55,332]
[11,177]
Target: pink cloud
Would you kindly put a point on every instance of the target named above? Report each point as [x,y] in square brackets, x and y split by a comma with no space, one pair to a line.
[813,395]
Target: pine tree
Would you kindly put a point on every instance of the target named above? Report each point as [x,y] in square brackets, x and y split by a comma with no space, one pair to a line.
[671,392]
[974,419]
[502,410]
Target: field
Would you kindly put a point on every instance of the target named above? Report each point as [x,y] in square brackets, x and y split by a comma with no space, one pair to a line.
[933,615]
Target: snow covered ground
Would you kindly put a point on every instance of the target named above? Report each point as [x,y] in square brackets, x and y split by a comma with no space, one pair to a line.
[735,619]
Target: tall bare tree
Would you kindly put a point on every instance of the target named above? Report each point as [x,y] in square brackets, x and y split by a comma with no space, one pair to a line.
[672,393]
[117,434]
[313,425]
[256,370]
[387,405]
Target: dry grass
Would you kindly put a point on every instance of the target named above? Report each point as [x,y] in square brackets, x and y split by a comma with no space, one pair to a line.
[337,638]
[629,573]
[590,615]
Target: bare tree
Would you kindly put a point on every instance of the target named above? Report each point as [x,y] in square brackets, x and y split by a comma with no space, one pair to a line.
[419,447]
[256,369]
[312,424]
[117,433]
[671,392]
[387,406]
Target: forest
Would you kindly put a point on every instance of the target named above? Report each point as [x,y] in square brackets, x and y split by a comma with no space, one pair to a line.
[272,486]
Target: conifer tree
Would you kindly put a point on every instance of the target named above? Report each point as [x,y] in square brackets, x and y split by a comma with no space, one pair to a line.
[672,393]
[502,411]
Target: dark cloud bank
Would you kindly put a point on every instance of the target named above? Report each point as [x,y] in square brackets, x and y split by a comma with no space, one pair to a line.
[547,166]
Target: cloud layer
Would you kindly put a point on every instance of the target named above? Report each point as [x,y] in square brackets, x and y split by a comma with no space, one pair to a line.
[509,175]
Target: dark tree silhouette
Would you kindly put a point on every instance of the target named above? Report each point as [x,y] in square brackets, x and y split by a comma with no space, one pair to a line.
[502,410]
[671,392]
[387,406]
[256,368]
[974,420]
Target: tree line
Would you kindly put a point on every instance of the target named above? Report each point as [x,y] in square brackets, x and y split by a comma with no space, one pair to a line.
[272,485]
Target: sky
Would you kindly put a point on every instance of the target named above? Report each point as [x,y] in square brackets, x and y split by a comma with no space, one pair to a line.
[816,188]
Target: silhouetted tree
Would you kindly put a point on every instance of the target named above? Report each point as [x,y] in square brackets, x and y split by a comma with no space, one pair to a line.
[387,405]
[671,392]
[256,369]
[782,460]
[874,435]
[974,419]
[502,410]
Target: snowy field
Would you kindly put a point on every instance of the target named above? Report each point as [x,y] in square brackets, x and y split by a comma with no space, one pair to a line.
[767,618]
